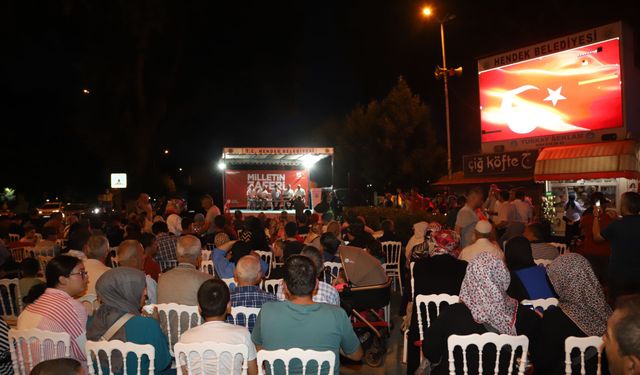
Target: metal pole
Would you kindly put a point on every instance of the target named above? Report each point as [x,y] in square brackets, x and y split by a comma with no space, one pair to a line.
[446,98]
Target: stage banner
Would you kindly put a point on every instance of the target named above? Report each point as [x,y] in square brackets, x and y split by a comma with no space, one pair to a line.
[237,182]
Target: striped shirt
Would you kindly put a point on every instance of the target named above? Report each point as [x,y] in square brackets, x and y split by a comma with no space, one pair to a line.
[541,250]
[5,355]
[57,311]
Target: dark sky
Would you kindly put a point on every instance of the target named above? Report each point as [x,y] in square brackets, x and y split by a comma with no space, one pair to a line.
[236,74]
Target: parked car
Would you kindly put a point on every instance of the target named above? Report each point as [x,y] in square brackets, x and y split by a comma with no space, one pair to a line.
[51,207]
[77,209]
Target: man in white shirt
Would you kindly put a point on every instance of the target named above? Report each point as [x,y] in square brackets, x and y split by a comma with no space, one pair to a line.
[467,217]
[300,193]
[174,221]
[251,197]
[287,195]
[212,211]
[523,210]
[214,304]
[275,197]
[96,250]
[482,232]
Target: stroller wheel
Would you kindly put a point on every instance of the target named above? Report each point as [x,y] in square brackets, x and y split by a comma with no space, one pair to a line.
[374,356]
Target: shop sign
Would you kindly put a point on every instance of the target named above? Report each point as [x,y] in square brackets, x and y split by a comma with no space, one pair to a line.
[520,163]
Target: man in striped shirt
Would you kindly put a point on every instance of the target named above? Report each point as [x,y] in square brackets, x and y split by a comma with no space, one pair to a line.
[540,250]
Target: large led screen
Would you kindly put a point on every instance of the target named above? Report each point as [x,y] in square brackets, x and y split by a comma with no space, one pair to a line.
[570,91]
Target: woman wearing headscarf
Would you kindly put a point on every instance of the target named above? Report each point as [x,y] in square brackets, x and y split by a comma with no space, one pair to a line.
[582,311]
[484,307]
[418,238]
[441,272]
[528,281]
[122,294]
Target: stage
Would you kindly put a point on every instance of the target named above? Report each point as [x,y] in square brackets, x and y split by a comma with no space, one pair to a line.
[271,214]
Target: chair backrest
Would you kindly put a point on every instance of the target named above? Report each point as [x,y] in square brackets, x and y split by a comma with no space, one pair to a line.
[562,247]
[210,246]
[286,356]
[543,262]
[44,260]
[271,286]
[201,356]
[480,341]
[392,251]
[241,315]
[38,237]
[61,242]
[10,299]
[114,262]
[14,237]
[172,316]
[205,254]
[166,265]
[208,267]
[436,299]
[582,343]
[543,303]
[231,283]
[267,256]
[333,268]
[29,347]
[90,302]
[413,283]
[94,348]
[17,253]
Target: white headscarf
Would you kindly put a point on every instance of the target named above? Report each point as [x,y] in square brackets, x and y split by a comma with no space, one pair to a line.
[419,232]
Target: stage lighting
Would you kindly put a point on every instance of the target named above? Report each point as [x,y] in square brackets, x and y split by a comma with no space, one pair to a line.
[222,165]
[308,164]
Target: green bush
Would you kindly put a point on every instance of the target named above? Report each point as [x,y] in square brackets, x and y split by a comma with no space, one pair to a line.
[403,219]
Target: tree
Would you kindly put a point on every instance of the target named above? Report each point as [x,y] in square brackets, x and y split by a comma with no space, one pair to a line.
[390,143]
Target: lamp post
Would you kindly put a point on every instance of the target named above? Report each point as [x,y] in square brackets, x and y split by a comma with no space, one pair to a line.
[444,72]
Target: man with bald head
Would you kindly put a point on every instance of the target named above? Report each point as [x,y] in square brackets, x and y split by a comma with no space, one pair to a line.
[248,275]
[96,250]
[131,254]
[180,285]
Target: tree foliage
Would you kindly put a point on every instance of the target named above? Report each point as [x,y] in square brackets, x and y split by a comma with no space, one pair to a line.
[390,143]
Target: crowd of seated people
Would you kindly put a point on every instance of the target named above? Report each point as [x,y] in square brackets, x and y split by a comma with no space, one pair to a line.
[122,261]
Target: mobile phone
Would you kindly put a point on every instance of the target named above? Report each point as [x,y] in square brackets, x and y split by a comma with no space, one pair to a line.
[598,203]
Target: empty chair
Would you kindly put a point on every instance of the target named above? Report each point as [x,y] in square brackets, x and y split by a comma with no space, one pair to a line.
[480,341]
[211,358]
[205,254]
[14,237]
[29,347]
[271,286]
[10,300]
[437,300]
[583,344]
[107,357]
[393,251]
[242,315]
[175,319]
[334,269]
[17,253]
[207,266]
[267,256]
[90,302]
[543,303]
[304,361]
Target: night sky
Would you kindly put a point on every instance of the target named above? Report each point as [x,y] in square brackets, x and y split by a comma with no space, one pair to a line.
[194,76]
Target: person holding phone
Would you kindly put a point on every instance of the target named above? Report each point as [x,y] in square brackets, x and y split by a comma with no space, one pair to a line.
[597,253]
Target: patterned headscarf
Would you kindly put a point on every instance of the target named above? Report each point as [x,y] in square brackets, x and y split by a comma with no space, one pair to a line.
[580,294]
[434,226]
[444,242]
[483,291]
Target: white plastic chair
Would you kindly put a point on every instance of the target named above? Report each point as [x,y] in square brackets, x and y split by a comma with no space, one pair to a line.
[393,252]
[17,253]
[582,343]
[480,341]
[205,254]
[205,356]
[166,265]
[543,303]
[286,356]
[29,347]
[231,283]
[334,268]
[90,303]
[267,256]
[436,299]
[562,247]
[271,286]
[44,260]
[542,262]
[208,267]
[171,316]
[241,315]
[210,246]
[14,237]
[94,348]
[12,310]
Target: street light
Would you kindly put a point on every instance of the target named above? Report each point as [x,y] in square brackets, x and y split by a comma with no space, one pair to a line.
[444,72]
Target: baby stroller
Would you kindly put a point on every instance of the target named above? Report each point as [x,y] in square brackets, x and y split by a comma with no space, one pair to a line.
[368,291]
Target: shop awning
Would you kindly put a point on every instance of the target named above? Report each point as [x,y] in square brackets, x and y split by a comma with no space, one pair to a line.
[588,161]
[458,178]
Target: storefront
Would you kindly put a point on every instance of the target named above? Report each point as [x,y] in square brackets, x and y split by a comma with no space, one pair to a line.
[609,167]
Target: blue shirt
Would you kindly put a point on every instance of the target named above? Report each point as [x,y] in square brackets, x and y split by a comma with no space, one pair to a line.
[225,268]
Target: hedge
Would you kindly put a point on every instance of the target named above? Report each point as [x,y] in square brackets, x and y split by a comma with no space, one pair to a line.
[402,218]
